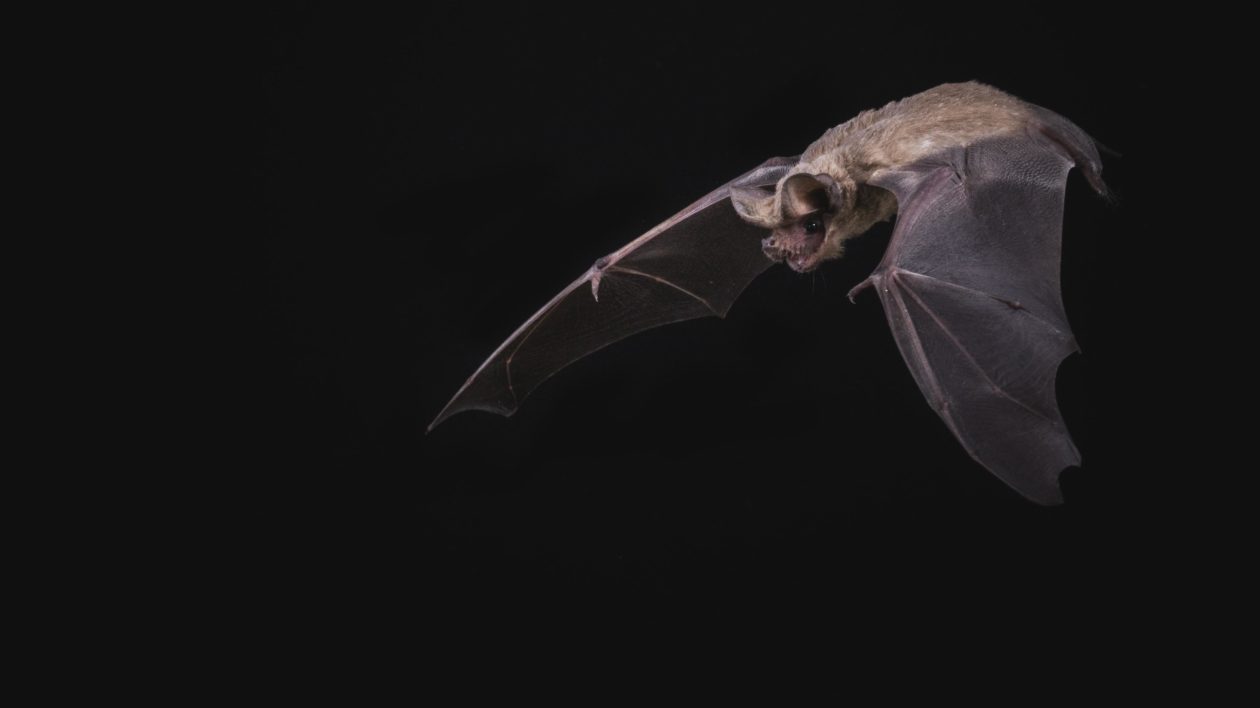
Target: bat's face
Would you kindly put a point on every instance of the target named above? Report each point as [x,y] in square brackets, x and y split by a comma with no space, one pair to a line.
[801,243]
[804,218]
[811,207]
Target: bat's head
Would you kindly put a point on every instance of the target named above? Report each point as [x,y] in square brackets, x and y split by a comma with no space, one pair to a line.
[803,216]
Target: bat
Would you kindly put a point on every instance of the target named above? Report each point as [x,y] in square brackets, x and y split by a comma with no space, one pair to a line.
[969,281]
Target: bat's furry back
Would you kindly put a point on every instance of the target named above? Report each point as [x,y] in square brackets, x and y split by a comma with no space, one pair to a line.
[912,128]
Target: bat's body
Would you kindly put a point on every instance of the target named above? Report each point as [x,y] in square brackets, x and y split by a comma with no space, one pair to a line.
[844,160]
[970,281]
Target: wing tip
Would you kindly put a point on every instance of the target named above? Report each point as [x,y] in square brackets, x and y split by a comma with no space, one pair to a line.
[452,409]
[1046,490]
[436,422]
[1051,495]
[442,416]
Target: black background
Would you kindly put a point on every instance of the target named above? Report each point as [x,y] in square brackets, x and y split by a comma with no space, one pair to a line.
[415,184]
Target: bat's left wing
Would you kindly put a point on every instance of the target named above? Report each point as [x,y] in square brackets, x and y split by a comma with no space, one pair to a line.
[693,265]
[970,285]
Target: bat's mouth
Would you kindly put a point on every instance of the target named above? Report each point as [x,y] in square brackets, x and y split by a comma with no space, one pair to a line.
[801,254]
[805,263]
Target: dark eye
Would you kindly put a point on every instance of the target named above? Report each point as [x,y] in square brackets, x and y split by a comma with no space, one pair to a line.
[813,225]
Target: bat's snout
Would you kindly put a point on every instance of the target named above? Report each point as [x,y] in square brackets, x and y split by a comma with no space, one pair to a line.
[773,249]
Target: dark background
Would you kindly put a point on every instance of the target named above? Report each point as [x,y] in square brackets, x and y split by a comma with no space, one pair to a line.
[415,184]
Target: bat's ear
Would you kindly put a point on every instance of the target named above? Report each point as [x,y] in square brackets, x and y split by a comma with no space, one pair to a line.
[803,194]
[756,206]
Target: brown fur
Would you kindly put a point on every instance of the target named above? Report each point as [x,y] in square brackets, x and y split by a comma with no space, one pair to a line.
[832,174]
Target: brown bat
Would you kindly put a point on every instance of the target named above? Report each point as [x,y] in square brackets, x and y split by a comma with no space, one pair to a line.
[969,282]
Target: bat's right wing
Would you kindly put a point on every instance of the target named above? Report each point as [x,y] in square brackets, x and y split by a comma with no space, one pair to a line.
[693,265]
[970,285]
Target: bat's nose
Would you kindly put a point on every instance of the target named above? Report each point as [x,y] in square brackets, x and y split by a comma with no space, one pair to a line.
[770,247]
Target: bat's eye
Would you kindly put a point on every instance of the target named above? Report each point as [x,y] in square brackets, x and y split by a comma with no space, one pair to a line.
[813,225]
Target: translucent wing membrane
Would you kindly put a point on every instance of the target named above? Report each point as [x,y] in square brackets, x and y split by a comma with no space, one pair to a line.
[970,285]
[693,265]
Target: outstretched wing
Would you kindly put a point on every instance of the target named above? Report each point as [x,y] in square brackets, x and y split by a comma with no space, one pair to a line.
[970,285]
[693,265]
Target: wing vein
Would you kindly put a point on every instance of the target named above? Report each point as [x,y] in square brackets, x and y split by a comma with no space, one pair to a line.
[935,385]
[966,354]
[679,288]
[982,294]
[507,363]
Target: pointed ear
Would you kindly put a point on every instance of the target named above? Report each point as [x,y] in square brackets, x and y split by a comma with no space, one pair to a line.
[756,206]
[804,194]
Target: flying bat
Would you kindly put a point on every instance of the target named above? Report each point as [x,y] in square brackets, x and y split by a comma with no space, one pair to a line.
[969,281]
